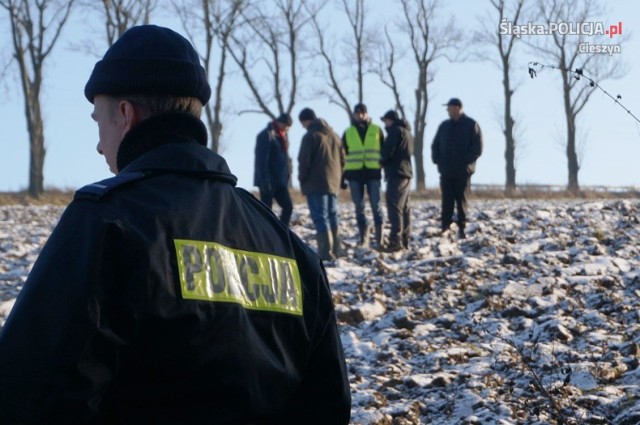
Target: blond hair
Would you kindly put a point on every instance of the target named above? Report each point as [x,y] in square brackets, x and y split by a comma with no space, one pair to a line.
[158,104]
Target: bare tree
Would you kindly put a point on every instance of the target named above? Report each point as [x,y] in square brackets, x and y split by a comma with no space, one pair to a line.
[120,15]
[36,26]
[565,52]
[504,44]
[272,43]
[217,20]
[115,16]
[386,70]
[358,47]
[429,40]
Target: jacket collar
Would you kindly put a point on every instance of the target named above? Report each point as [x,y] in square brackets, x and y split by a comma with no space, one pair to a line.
[160,130]
[172,143]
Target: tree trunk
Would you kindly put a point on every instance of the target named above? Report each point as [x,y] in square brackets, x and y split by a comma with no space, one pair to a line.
[420,123]
[216,133]
[215,121]
[37,150]
[417,155]
[510,147]
[572,157]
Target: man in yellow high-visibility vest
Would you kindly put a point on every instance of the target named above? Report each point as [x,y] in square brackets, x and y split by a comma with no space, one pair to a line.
[363,143]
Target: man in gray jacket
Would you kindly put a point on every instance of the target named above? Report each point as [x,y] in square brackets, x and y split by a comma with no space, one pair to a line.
[320,165]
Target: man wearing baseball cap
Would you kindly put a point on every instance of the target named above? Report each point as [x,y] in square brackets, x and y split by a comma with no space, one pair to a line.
[165,294]
[455,149]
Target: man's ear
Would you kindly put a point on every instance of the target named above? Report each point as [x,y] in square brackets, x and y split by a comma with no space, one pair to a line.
[129,114]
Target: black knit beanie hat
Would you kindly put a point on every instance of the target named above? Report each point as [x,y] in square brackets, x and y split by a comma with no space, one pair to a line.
[360,107]
[307,114]
[149,60]
[285,119]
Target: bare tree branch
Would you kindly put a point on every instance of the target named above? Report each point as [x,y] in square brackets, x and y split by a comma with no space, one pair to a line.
[270,38]
[564,52]
[510,11]
[430,39]
[35,29]
[386,68]
[216,21]
[355,55]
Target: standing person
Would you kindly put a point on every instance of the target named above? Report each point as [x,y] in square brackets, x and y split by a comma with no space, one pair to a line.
[320,163]
[165,294]
[455,149]
[396,160]
[272,170]
[363,143]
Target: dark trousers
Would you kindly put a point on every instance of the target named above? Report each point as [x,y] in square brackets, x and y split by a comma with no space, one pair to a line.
[454,191]
[398,210]
[282,197]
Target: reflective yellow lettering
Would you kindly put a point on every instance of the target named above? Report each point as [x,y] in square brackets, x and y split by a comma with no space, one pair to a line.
[192,264]
[209,271]
[215,271]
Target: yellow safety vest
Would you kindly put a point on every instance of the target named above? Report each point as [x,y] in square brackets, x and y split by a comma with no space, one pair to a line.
[361,154]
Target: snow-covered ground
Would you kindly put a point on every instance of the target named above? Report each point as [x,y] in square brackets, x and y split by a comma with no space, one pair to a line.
[533,319]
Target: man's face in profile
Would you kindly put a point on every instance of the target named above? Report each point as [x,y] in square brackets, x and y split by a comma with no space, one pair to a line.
[110,129]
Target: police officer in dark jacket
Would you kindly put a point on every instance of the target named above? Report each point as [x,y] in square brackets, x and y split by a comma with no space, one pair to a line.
[272,170]
[396,160]
[455,149]
[165,294]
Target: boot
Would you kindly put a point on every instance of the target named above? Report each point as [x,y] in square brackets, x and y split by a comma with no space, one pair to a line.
[378,242]
[337,249]
[461,233]
[324,245]
[364,236]
[405,241]
[393,246]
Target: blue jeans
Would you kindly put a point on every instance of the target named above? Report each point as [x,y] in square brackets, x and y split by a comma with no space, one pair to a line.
[357,196]
[323,208]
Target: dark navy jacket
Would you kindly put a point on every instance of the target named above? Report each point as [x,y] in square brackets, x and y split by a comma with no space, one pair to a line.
[456,147]
[397,151]
[272,164]
[168,296]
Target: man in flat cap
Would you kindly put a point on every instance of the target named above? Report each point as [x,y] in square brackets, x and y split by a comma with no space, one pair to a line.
[165,294]
[455,149]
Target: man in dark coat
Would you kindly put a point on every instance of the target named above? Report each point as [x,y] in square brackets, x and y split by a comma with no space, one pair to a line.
[165,294]
[320,164]
[455,149]
[272,170]
[396,160]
